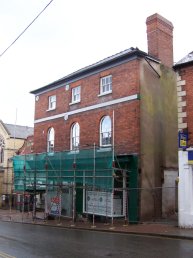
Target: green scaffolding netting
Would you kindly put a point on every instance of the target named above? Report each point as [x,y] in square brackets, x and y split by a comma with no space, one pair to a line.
[91,167]
[97,170]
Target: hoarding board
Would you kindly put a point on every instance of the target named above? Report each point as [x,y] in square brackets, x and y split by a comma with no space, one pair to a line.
[103,204]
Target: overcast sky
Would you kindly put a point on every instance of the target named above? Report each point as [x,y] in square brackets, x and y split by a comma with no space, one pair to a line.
[70,35]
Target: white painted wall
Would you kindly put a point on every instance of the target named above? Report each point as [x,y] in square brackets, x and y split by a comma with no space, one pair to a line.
[185,191]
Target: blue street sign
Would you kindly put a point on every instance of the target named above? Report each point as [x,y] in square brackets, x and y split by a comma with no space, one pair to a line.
[190,157]
[182,140]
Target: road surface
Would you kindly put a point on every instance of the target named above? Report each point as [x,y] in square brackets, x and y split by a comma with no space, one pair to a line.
[33,241]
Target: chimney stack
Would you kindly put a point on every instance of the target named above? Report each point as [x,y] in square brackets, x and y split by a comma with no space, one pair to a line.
[160,38]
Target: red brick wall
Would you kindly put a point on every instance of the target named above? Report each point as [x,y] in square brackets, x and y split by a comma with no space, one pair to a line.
[125,82]
[187,75]
[28,146]
[126,128]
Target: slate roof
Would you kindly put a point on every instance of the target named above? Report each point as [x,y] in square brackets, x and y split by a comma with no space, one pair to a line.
[108,62]
[19,131]
[185,60]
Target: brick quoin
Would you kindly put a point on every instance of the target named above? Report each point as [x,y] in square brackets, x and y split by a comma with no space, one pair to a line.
[186,74]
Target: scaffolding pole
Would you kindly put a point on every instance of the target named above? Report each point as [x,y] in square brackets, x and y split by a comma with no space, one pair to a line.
[94,194]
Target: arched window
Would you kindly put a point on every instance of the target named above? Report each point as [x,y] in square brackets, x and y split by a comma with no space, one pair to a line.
[75,136]
[105,131]
[50,140]
[2,146]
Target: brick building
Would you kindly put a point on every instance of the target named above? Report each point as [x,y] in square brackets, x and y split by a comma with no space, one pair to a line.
[184,72]
[27,147]
[126,102]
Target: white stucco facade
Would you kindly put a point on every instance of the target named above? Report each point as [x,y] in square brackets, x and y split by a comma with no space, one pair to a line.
[185,191]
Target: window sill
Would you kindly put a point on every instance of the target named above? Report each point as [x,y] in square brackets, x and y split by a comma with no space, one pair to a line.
[50,109]
[105,93]
[74,102]
[50,153]
[73,151]
[106,146]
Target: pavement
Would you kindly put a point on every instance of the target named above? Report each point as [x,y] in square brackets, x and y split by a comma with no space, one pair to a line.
[160,228]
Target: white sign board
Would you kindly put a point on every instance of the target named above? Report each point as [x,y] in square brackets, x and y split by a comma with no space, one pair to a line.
[103,204]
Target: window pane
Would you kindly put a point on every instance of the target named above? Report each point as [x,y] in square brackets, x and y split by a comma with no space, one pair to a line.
[76,94]
[106,124]
[106,84]
[75,136]
[51,136]
[52,102]
[105,131]
[106,138]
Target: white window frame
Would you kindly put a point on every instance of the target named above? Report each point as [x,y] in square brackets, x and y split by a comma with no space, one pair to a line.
[52,102]
[75,136]
[50,139]
[105,131]
[106,85]
[76,94]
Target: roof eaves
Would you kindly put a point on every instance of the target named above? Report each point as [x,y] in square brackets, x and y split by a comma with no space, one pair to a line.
[180,65]
[19,131]
[112,59]
[185,61]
